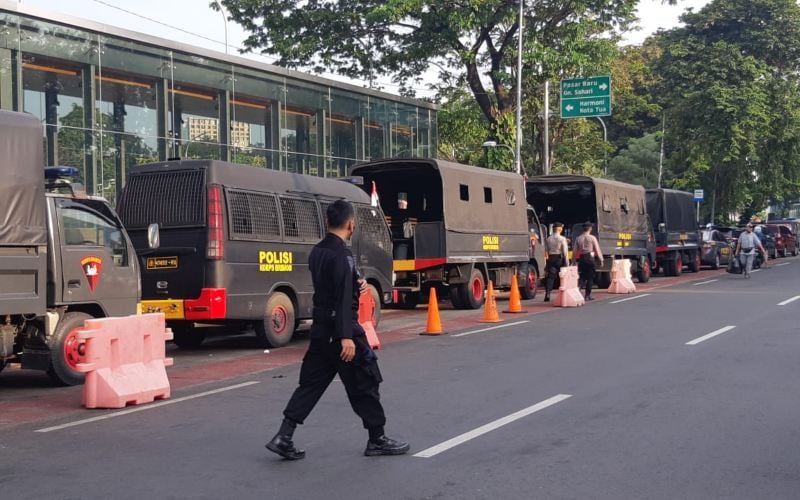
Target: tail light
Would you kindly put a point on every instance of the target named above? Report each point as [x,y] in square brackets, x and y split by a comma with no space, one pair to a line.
[216,241]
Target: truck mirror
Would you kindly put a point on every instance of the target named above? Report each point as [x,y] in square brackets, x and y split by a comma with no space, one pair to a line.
[153,236]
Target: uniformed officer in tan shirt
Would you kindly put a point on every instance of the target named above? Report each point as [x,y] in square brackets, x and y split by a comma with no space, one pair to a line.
[557,255]
[588,255]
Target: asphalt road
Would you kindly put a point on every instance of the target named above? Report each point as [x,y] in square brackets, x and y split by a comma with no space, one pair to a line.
[624,398]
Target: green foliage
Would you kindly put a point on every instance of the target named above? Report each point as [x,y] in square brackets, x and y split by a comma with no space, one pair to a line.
[638,162]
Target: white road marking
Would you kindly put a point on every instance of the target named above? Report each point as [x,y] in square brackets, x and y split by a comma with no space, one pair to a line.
[789,301]
[631,298]
[500,422]
[710,335]
[704,282]
[756,271]
[149,406]
[784,264]
[491,328]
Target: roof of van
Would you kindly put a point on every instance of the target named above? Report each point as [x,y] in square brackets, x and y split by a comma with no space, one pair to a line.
[259,179]
[23,220]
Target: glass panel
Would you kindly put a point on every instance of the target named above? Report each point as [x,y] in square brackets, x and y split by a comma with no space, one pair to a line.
[299,140]
[82,228]
[375,129]
[52,91]
[249,132]
[194,121]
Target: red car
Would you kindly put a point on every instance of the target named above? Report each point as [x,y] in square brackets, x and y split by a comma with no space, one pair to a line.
[785,239]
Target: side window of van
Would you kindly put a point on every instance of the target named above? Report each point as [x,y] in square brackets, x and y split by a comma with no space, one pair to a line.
[300,219]
[606,203]
[253,216]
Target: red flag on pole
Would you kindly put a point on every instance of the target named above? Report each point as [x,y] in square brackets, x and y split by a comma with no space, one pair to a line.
[374,201]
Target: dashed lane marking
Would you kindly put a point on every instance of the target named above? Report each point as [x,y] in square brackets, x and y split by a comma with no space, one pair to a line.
[784,264]
[491,328]
[484,429]
[711,335]
[789,301]
[630,298]
[704,282]
[151,406]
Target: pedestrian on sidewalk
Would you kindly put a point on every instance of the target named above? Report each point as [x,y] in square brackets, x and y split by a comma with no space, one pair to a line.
[557,255]
[588,256]
[337,344]
[746,249]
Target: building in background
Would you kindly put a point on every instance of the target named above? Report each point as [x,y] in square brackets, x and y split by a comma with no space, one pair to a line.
[111,98]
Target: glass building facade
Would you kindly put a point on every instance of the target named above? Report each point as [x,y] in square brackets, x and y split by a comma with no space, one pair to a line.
[110,99]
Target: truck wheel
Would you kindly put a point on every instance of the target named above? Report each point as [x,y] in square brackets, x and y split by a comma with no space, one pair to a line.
[531,286]
[66,351]
[376,314]
[716,264]
[603,280]
[456,297]
[408,300]
[794,251]
[472,292]
[186,336]
[277,327]
[694,263]
[645,271]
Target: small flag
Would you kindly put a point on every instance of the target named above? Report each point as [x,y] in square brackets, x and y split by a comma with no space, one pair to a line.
[374,201]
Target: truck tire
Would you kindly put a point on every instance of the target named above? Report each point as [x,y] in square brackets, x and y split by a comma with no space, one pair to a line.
[407,300]
[694,262]
[794,251]
[277,327]
[186,336]
[645,272]
[472,292]
[376,314]
[603,280]
[528,290]
[456,298]
[65,350]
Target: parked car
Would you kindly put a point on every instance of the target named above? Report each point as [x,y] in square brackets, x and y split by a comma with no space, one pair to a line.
[785,239]
[717,247]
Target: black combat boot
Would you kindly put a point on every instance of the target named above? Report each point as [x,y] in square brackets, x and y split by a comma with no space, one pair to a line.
[547,297]
[385,446]
[282,442]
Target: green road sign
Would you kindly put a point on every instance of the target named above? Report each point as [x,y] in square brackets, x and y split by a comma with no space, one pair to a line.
[586,97]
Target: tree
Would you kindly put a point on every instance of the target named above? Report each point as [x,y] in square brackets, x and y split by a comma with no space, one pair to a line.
[730,92]
[638,162]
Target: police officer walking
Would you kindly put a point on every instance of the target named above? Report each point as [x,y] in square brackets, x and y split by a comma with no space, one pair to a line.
[557,252]
[588,255]
[338,344]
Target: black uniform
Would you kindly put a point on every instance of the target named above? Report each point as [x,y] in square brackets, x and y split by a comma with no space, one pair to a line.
[336,294]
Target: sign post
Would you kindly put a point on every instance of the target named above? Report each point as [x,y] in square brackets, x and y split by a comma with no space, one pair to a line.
[699,196]
[586,97]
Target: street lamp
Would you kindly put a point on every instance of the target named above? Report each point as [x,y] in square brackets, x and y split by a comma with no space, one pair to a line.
[494,144]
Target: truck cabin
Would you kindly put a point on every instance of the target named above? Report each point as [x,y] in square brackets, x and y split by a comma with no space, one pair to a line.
[410,195]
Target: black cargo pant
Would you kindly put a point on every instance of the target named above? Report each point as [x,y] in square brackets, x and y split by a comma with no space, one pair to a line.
[586,269]
[321,364]
[551,269]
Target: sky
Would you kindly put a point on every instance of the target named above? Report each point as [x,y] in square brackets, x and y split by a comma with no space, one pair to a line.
[194,16]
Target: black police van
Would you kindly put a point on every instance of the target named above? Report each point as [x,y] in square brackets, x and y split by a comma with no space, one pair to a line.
[228,244]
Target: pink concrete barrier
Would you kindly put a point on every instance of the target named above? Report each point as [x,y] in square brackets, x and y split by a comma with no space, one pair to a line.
[621,281]
[569,293]
[125,361]
[366,315]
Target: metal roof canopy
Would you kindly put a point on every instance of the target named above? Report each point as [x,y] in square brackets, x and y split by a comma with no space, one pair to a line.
[105,29]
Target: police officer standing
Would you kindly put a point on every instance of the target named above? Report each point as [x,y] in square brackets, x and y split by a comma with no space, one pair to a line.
[557,252]
[588,255]
[338,344]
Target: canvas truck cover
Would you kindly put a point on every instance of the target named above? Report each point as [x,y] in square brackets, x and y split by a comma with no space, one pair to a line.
[506,214]
[608,198]
[23,219]
[674,209]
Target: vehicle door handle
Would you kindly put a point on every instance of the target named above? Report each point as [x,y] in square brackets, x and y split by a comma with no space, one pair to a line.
[74,284]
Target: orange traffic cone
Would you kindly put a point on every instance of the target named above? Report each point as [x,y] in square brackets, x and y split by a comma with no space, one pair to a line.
[515,300]
[434,326]
[490,314]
